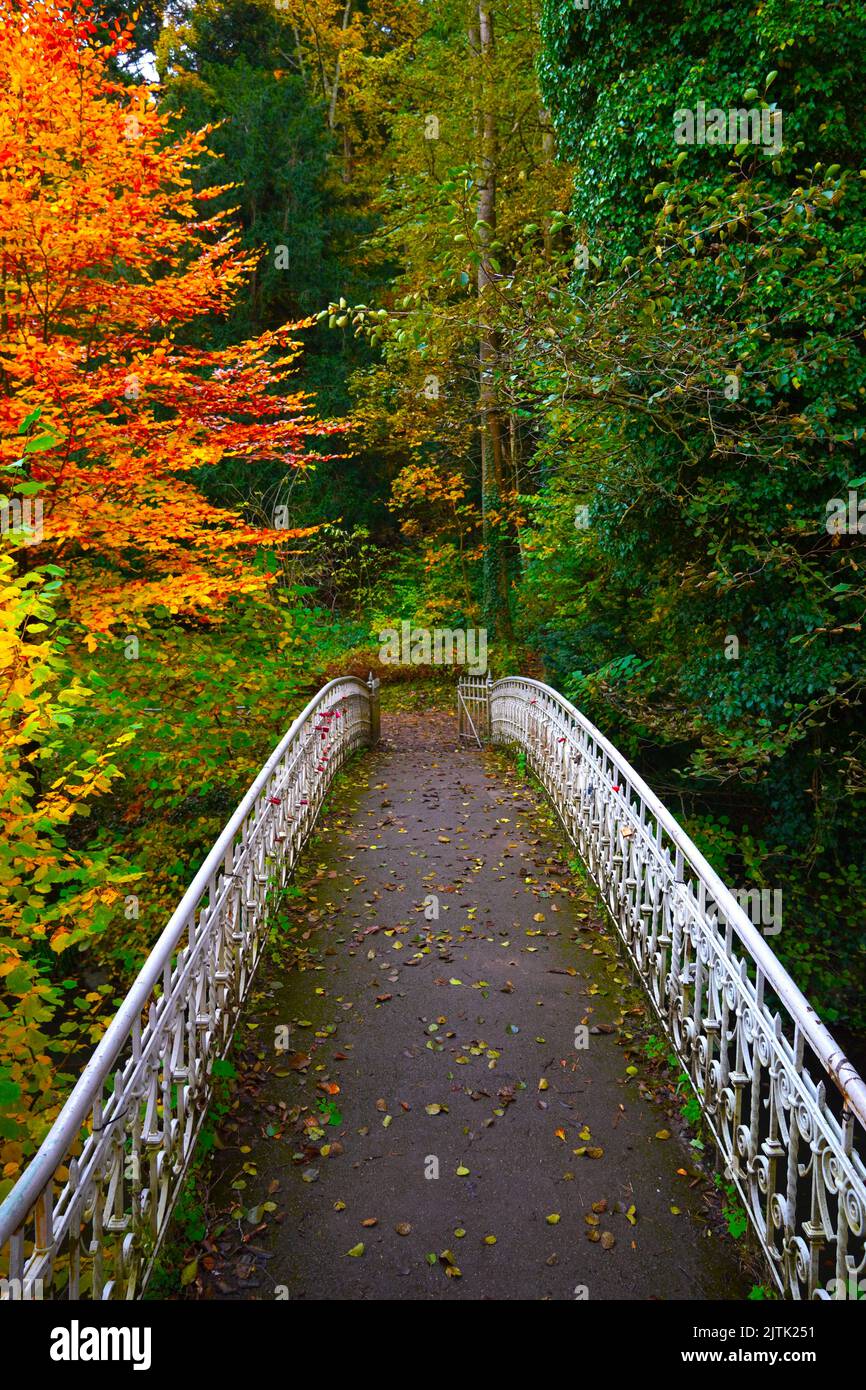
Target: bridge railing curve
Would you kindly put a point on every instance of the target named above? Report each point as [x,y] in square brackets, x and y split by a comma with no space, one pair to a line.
[88,1215]
[786,1107]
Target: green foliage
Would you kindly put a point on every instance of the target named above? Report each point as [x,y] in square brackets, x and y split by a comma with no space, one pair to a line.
[704,378]
[691,1110]
[283,203]
[56,901]
[735,1218]
[226,66]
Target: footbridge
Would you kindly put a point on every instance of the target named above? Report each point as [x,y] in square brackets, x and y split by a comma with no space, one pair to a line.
[784,1106]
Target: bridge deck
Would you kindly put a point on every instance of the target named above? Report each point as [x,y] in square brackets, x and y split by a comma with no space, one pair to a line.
[383,1018]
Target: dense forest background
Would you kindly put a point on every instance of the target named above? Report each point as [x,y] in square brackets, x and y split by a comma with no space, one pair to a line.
[434,321]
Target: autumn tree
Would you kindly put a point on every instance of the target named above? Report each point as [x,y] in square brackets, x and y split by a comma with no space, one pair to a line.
[111,408]
[107,256]
[471,192]
[351,54]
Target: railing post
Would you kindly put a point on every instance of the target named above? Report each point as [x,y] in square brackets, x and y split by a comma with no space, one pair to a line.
[488,713]
[375,709]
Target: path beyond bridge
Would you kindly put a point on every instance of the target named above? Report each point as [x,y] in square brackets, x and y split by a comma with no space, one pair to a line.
[461,1105]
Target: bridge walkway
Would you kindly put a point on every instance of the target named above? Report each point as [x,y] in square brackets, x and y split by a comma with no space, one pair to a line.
[384,1045]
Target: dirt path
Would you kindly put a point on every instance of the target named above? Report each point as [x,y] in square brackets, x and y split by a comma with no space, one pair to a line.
[452,1043]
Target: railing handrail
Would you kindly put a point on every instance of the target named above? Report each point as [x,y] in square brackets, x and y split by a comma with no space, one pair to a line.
[839,1069]
[41,1168]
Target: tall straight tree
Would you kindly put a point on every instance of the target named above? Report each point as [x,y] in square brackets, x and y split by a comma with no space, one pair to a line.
[495,602]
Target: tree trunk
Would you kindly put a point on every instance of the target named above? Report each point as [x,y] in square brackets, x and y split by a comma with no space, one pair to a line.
[332,112]
[548,150]
[495,602]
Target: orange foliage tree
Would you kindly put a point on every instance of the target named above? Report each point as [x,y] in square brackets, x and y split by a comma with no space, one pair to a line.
[106,254]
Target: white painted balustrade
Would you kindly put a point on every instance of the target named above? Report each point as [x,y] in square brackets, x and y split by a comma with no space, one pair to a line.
[88,1215]
[785,1106]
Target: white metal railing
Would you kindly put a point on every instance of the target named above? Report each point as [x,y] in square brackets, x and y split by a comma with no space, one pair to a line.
[785,1106]
[87,1217]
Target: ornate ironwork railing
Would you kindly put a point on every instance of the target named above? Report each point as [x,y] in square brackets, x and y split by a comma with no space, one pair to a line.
[785,1106]
[473,708]
[88,1215]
